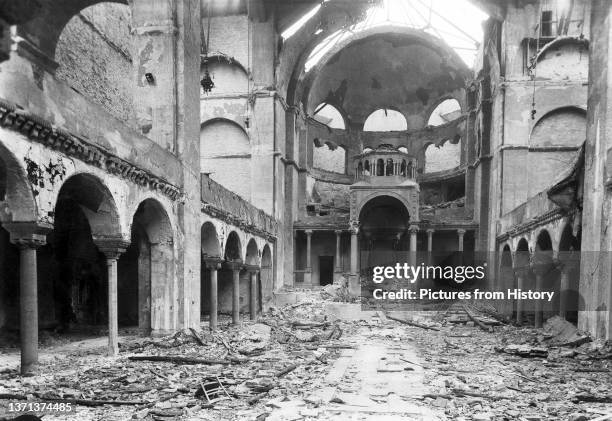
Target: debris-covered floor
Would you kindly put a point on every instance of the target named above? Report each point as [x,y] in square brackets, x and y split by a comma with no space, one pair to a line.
[302,362]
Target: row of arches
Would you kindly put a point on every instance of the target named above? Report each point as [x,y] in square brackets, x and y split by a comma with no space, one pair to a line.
[385,168]
[543,267]
[387,119]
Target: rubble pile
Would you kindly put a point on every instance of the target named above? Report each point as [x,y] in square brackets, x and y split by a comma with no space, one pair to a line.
[192,374]
[511,373]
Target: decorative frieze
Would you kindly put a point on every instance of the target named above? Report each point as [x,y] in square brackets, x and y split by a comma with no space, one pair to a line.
[41,131]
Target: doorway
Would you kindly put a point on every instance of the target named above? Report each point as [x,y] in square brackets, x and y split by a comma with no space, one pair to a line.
[326,270]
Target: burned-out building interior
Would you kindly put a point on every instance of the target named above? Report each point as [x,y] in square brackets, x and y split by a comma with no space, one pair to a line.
[164,163]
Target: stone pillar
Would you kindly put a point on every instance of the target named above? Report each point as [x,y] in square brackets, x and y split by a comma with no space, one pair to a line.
[521,274]
[28,236]
[460,234]
[538,304]
[338,251]
[308,269]
[253,272]
[414,229]
[354,282]
[564,284]
[112,249]
[595,316]
[235,266]
[213,265]
[430,232]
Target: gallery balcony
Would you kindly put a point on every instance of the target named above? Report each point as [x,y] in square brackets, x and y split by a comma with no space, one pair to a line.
[385,165]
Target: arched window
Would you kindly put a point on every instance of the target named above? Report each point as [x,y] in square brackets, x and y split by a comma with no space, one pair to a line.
[94,57]
[441,158]
[329,115]
[561,127]
[389,169]
[380,167]
[366,168]
[225,154]
[385,120]
[229,77]
[447,111]
[403,168]
[329,157]
[359,168]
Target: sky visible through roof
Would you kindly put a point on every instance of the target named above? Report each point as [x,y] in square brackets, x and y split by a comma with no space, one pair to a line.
[457,22]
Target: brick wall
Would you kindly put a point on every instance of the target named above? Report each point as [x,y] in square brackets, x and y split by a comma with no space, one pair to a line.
[94,57]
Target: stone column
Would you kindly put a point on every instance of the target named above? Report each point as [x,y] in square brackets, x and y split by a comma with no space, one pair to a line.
[213,265]
[308,269]
[414,229]
[28,236]
[235,266]
[338,251]
[430,232]
[521,274]
[308,249]
[564,283]
[112,249]
[460,234]
[354,283]
[253,272]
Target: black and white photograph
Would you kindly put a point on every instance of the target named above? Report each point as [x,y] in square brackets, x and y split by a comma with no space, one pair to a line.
[296,210]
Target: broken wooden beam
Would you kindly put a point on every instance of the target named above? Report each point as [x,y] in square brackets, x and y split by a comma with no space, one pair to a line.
[411,323]
[180,360]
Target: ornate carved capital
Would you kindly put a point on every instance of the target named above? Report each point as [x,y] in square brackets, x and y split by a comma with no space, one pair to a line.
[252,268]
[212,262]
[354,226]
[234,264]
[413,229]
[112,247]
[461,232]
[28,234]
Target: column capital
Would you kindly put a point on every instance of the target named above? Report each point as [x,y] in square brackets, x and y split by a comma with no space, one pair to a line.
[413,228]
[28,234]
[234,264]
[354,226]
[308,232]
[212,262]
[338,232]
[430,231]
[112,247]
[252,268]
[461,231]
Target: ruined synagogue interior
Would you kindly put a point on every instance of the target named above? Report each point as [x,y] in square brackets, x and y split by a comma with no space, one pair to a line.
[196,197]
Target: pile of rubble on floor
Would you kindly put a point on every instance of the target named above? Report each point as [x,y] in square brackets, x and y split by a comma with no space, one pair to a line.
[478,372]
[191,374]
[466,364]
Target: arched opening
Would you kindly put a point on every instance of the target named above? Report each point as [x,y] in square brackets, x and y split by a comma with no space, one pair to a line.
[442,157]
[446,111]
[389,167]
[552,142]
[570,300]
[94,57]
[16,204]
[330,116]
[211,248]
[546,276]
[385,120]
[329,157]
[383,237]
[231,253]
[226,155]
[252,258]
[380,167]
[266,277]
[146,271]
[522,272]
[229,77]
[75,271]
